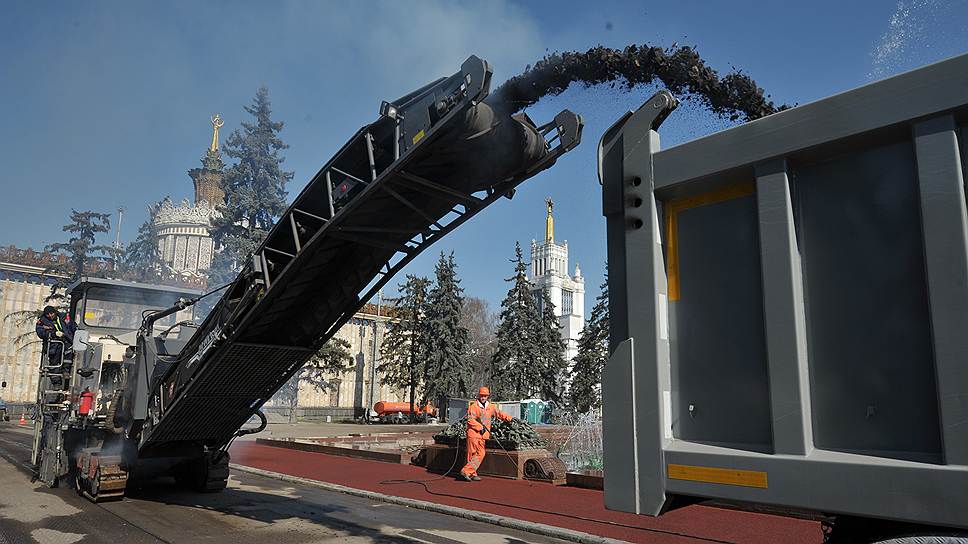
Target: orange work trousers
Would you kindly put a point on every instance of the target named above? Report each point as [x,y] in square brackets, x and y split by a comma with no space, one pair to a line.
[475,454]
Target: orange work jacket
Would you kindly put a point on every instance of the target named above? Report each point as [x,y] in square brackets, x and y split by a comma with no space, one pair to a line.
[479,418]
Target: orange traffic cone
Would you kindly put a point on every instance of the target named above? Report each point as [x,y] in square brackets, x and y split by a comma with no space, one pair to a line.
[23,420]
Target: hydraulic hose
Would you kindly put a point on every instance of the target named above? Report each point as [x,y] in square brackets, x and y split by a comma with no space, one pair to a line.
[259,429]
[149,321]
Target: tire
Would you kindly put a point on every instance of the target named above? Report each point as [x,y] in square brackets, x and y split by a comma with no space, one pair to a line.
[208,473]
[926,539]
[852,530]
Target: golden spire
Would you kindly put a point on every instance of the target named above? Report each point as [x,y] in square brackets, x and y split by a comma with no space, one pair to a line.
[217,124]
[550,222]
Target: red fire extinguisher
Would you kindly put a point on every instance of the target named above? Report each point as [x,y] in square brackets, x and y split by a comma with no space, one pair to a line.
[87,401]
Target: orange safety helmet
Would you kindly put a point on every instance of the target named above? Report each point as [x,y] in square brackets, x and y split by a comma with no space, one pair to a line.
[483,392]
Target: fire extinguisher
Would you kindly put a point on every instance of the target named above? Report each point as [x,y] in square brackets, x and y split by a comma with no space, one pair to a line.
[87,401]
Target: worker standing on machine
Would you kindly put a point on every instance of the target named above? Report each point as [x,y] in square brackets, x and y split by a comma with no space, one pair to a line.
[57,332]
[480,414]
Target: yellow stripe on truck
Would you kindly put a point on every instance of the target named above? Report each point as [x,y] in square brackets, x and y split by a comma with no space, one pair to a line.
[672,209]
[418,136]
[713,475]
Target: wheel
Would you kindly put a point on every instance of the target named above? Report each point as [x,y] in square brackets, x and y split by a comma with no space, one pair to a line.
[207,473]
[216,472]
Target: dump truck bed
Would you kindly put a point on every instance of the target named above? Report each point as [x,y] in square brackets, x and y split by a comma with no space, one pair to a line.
[788,301]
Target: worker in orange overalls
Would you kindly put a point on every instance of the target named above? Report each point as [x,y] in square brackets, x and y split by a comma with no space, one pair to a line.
[480,414]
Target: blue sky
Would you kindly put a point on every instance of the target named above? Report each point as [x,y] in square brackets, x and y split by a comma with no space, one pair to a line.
[107,104]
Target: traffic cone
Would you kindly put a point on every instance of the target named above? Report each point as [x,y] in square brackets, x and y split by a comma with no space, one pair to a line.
[23,420]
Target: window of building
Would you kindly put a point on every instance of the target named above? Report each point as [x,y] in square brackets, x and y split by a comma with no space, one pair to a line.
[567,298]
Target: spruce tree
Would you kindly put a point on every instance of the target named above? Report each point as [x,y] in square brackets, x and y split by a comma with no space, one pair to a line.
[142,259]
[446,370]
[80,248]
[516,363]
[552,363]
[255,190]
[585,391]
[403,350]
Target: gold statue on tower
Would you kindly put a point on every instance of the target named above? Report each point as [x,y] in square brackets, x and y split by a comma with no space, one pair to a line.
[217,124]
[550,222]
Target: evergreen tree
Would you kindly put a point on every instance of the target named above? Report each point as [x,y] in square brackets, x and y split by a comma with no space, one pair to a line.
[403,349]
[80,248]
[142,259]
[332,359]
[552,362]
[255,190]
[446,370]
[585,391]
[516,363]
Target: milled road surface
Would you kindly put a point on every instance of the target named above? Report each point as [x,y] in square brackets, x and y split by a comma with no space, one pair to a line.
[251,510]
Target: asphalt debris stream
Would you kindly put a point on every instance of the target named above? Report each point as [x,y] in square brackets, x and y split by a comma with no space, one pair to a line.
[679,68]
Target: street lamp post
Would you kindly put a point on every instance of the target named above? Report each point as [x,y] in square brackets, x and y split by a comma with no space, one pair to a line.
[376,324]
[117,238]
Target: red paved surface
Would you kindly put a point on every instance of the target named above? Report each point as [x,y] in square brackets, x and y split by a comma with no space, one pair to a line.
[532,501]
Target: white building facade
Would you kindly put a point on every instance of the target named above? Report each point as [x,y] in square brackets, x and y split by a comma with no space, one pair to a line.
[184,241]
[362,386]
[24,287]
[550,273]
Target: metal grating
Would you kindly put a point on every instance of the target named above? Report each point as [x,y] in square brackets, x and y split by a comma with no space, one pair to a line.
[226,393]
[203,419]
[247,370]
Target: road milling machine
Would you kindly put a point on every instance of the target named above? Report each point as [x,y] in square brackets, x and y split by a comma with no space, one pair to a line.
[146,391]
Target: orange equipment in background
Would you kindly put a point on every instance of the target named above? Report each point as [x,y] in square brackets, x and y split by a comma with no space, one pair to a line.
[385,408]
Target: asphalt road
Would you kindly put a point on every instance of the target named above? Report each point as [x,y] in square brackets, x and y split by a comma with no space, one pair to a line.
[251,510]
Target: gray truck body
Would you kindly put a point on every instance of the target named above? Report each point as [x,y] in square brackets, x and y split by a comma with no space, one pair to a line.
[788,302]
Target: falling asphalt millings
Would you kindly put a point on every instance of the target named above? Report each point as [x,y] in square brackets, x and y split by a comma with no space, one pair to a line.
[680,69]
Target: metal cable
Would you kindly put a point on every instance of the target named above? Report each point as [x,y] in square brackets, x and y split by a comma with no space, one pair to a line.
[424,483]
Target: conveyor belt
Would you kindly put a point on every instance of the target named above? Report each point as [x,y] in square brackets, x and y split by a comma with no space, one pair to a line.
[431,161]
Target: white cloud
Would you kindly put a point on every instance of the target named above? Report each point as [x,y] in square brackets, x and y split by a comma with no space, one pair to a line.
[407,43]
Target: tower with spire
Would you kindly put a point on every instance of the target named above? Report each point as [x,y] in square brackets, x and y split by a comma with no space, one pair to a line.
[184,240]
[208,178]
[550,273]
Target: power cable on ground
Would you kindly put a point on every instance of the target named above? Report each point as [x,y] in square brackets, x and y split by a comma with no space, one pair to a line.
[423,483]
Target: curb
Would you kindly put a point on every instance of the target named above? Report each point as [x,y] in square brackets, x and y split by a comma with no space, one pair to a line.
[494,519]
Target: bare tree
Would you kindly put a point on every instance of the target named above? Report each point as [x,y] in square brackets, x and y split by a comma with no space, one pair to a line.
[481,323]
[25,320]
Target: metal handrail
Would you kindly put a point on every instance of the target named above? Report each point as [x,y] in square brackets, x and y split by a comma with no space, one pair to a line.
[46,356]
